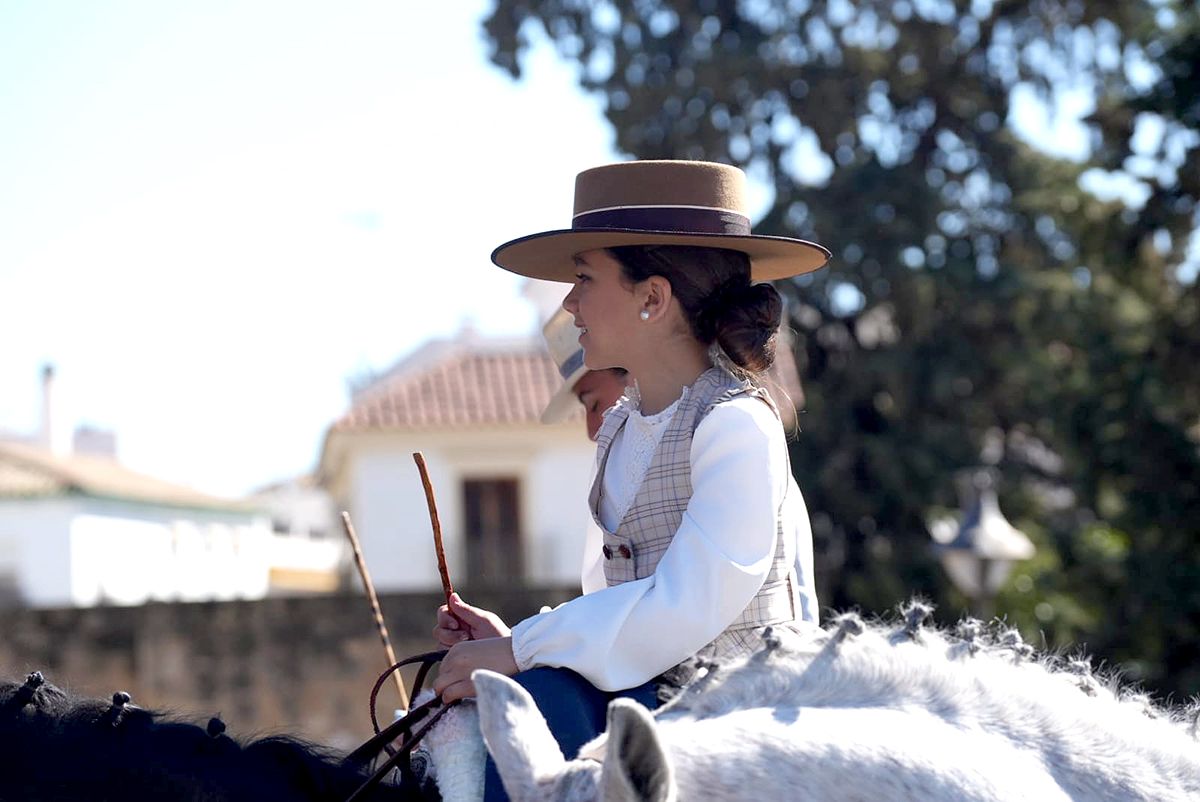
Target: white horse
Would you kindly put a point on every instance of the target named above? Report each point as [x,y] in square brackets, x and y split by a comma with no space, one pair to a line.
[864,712]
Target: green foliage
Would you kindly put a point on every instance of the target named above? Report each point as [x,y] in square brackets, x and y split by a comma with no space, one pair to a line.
[983,305]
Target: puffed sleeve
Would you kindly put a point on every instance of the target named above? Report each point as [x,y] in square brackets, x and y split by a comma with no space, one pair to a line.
[592,574]
[621,636]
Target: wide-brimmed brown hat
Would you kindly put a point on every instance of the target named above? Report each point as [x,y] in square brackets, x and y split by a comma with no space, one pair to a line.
[659,203]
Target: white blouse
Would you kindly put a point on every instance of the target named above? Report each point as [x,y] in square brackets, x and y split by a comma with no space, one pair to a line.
[622,636]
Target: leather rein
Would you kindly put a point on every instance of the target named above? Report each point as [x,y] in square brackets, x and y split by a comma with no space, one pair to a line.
[405,728]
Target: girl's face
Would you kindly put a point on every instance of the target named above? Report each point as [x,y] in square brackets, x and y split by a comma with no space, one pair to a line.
[605,307]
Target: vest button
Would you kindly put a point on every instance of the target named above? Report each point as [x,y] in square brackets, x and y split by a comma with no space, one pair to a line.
[607,552]
[625,552]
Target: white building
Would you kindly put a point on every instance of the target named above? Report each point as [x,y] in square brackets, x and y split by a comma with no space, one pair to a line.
[77,528]
[511,492]
[82,530]
[309,553]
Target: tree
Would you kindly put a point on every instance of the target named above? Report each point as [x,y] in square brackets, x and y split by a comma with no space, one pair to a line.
[989,302]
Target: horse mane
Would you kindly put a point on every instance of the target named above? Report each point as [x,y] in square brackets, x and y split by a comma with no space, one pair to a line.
[57,745]
[972,672]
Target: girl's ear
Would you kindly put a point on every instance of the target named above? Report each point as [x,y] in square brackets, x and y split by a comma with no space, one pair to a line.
[656,292]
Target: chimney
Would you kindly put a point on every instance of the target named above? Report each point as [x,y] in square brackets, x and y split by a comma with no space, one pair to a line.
[94,442]
[55,437]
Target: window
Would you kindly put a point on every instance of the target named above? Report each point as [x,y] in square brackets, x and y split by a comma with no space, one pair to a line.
[495,553]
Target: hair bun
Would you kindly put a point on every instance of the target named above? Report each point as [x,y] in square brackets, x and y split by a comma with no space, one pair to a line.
[745,321]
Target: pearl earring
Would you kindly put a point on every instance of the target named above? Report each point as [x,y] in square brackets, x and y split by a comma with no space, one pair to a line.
[644,314]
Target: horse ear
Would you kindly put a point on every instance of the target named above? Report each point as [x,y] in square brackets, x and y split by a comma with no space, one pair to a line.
[516,735]
[635,764]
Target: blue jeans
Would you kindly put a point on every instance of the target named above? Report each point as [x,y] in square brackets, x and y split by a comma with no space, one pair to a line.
[574,709]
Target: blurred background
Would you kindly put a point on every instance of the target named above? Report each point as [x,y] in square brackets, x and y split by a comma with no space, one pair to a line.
[244,274]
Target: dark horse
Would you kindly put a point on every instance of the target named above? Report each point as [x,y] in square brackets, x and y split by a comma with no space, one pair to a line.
[57,746]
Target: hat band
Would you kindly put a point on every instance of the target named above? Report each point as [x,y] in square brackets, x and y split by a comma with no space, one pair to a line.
[673,219]
[572,364]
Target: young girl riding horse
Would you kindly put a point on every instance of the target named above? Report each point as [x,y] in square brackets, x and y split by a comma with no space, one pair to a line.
[705,538]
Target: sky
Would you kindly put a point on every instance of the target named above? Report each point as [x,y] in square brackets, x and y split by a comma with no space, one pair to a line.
[214,214]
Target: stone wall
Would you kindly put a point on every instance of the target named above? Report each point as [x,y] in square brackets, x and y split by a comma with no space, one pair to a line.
[299,665]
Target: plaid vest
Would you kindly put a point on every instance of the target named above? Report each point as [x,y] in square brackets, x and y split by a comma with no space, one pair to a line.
[650,523]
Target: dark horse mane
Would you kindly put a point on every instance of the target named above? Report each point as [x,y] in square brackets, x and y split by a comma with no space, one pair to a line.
[59,746]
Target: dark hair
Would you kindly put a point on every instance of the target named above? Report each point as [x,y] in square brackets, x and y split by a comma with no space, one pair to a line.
[713,287]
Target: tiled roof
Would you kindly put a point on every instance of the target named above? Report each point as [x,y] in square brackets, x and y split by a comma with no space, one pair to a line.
[28,471]
[18,480]
[459,383]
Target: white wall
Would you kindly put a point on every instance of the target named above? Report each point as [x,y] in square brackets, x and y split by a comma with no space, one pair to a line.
[39,533]
[300,509]
[381,487]
[125,555]
[387,505]
[83,551]
[558,483]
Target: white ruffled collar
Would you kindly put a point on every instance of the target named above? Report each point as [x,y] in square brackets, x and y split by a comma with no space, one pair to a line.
[632,401]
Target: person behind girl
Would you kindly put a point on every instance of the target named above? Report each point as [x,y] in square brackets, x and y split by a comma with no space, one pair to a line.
[692,491]
[596,390]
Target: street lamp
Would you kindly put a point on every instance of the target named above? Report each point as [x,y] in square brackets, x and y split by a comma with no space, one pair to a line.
[978,553]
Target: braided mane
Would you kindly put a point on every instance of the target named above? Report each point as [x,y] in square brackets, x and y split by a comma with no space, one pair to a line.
[56,745]
[975,670]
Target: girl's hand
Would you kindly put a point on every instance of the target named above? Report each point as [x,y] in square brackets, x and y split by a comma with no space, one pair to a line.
[472,623]
[454,675]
